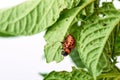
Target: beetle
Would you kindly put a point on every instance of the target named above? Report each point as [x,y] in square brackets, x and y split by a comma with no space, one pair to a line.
[68,44]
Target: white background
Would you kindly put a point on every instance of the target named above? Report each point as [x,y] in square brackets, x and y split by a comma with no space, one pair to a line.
[22,58]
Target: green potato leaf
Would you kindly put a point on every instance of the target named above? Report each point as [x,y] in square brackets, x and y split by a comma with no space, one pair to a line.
[31,16]
[97,40]
[76,59]
[75,74]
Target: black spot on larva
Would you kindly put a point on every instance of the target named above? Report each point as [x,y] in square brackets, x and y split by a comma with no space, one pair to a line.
[92,21]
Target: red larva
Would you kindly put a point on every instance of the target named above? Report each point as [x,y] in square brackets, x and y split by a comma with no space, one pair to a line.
[68,44]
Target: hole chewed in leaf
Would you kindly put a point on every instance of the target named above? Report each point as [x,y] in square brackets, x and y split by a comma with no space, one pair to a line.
[104,24]
[66,19]
[79,23]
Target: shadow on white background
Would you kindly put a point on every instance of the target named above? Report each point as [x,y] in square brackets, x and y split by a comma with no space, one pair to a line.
[21,58]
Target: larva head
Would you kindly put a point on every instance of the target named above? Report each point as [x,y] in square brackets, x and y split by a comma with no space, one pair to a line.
[66,52]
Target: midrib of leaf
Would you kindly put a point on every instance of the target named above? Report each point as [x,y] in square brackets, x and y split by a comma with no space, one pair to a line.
[33,9]
[44,14]
[76,13]
[107,36]
[31,16]
[84,5]
[32,27]
[47,11]
[109,31]
[78,9]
